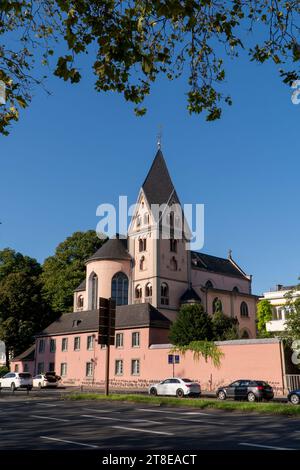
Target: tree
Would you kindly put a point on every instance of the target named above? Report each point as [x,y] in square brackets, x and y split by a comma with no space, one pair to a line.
[22,309]
[292,322]
[64,271]
[264,314]
[192,324]
[224,327]
[138,41]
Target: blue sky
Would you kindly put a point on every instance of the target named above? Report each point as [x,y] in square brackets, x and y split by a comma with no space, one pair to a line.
[76,149]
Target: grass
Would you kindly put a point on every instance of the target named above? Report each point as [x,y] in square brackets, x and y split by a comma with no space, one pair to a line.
[284,409]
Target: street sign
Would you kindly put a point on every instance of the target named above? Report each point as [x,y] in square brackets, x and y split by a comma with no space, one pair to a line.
[173,359]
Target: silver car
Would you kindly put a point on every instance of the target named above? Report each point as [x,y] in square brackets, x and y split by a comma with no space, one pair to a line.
[177,387]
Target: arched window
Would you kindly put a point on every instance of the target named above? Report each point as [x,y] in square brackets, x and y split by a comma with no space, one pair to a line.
[164,294]
[217,305]
[142,263]
[138,292]
[146,219]
[209,285]
[235,289]
[142,244]
[119,288]
[173,264]
[80,301]
[244,310]
[94,290]
[245,335]
[173,245]
[148,290]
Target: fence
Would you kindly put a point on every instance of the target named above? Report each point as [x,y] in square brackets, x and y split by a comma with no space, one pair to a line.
[292,381]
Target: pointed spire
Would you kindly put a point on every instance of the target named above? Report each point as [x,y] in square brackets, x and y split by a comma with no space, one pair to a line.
[158,186]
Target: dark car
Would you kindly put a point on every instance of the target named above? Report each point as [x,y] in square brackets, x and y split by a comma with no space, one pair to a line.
[294,397]
[250,390]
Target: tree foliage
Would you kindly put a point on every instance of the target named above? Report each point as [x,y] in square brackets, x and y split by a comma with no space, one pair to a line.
[64,271]
[22,309]
[224,327]
[191,324]
[137,41]
[205,349]
[263,314]
[292,322]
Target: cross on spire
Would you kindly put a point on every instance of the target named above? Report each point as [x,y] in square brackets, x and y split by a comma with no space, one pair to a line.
[159,137]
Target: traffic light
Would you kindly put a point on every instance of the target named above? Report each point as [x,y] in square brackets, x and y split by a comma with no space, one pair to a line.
[107,321]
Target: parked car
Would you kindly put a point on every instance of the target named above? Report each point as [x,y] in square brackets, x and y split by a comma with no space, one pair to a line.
[294,397]
[16,380]
[49,379]
[251,390]
[175,386]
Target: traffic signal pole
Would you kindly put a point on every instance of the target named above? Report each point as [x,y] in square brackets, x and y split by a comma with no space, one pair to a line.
[106,333]
[107,369]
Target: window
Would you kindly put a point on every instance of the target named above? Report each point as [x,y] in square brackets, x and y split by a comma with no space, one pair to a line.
[63,369]
[164,294]
[173,264]
[138,292]
[119,288]
[135,339]
[80,301]
[51,367]
[90,343]
[40,368]
[244,310]
[41,345]
[148,290]
[138,221]
[173,245]
[77,343]
[76,323]
[146,219]
[94,291]
[135,367]
[142,244]
[119,367]
[64,344]
[245,335]
[25,368]
[89,369]
[209,285]
[119,340]
[52,345]
[17,368]
[142,263]
[235,289]
[217,305]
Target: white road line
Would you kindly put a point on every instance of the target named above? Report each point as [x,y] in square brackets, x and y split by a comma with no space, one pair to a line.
[196,413]
[146,421]
[69,442]
[248,444]
[144,430]
[101,417]
[47,404]
[199,421]
[48,417]
[127,420]
[100,411]
[163,411]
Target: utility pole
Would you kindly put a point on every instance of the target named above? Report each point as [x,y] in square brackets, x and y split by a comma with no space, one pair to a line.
[106,331]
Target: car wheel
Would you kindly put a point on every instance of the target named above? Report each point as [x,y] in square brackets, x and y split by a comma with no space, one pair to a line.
[222,395]
[153,391]
[13,387]
[294,399]
[179,393]
[251,397]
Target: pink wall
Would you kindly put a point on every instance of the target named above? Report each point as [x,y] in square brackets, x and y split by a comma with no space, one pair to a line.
[258,359]
[20,366]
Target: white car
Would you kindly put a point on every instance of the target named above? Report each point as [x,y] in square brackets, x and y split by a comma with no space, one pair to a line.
[46,380]
[175,386]
[15,380]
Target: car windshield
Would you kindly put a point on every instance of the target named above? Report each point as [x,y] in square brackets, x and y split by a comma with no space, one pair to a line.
[187,380]
[261,382]
[25,376]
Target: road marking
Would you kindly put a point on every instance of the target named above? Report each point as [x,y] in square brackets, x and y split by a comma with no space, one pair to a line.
[100,411]
[48,417]
[47,404]
[196,413]
[69,442]
[101,417]
[199,421]
[248,444]
[127,420]
[163,411]
[144,430]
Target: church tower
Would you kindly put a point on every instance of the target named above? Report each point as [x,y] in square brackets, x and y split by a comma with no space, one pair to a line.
[157,243]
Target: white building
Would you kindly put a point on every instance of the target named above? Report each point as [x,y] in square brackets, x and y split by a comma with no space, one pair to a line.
[278,300]
[2,353]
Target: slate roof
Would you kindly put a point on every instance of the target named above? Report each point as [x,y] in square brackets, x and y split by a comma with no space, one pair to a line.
[82,286]
[190,295]
[158,186]
[27,355]
[127,316]
[113,248]
[215,264]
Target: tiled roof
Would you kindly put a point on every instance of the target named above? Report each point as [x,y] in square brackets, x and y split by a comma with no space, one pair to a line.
[190,295]
[158,186]
[82,286]
[113,248]
[215,264]
[27,355]
[127,316]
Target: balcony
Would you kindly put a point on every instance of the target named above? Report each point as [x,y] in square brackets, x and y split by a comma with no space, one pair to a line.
[275,325]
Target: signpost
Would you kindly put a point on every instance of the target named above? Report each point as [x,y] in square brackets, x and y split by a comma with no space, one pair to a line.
[106,331]
[173,359]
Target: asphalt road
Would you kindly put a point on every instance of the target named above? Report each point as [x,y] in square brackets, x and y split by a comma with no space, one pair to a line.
[43,421]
